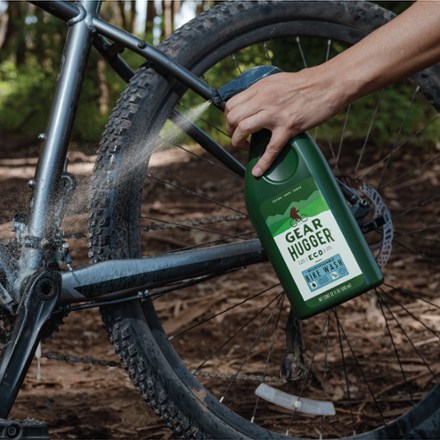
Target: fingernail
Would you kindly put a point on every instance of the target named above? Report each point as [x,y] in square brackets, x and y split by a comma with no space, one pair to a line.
[257,172]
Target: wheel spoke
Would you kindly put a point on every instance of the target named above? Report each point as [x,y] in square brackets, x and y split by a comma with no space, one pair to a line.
[191,192]
[396,139]
[367,136]
[406,143]
[301,51]
[222,312]
[192,226]
[241,328]
[405,333]
[416,252]
[269,353]
[409,313]
[410,172]
[341,140]
[168,143]
[344,367]
[417,233]
[421,204]
[359,368]
[412,295]
[254,343]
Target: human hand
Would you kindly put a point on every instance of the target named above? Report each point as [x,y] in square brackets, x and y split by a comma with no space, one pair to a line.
[286,104]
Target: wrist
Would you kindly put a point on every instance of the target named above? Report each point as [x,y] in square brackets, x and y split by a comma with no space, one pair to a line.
[339,89]
[348,79]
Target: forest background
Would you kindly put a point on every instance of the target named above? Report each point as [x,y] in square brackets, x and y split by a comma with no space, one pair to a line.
[31,43]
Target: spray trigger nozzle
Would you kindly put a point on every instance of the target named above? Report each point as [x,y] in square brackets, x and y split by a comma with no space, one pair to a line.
[245,80]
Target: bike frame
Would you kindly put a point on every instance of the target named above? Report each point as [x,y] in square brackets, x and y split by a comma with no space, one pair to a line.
[41,289]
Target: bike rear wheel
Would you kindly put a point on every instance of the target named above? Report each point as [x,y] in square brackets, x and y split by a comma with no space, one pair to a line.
[199,351]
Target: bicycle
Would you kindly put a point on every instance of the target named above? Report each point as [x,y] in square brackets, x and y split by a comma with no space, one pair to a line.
[390,392]
[296,218]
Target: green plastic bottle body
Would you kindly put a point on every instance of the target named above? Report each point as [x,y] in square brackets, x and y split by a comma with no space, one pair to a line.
[307,229]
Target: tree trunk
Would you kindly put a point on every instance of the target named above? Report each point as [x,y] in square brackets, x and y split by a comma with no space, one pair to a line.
[104,92]
[16,31]
[132,16]
[121,7]
[168,17]
[151,13]
[4,19]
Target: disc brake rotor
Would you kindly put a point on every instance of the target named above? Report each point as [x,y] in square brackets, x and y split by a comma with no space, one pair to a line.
[381,211]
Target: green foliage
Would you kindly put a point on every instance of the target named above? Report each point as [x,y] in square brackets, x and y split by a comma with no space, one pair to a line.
[23,92]
[26,89]
[390,114]
[26,94]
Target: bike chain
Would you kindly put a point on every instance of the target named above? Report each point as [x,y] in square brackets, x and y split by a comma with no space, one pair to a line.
[78,359]
[197,222]
[113,364]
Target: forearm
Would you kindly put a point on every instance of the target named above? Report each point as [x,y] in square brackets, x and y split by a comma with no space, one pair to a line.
[291,103]
[407,44]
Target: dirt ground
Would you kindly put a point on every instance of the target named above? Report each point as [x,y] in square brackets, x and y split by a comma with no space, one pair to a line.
[77,400]
[87,401]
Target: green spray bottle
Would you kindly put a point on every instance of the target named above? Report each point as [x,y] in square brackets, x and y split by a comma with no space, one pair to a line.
[304,222]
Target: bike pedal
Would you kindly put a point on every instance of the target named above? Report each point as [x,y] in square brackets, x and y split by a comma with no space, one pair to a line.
[23,429]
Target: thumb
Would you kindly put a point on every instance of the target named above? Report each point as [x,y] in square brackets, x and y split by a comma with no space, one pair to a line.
[276,144]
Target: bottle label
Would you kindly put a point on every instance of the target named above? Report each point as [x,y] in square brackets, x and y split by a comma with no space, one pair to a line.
[310,241]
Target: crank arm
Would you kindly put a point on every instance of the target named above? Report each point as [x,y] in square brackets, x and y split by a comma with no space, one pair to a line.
[23,429]
[115,277]
[39,302]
